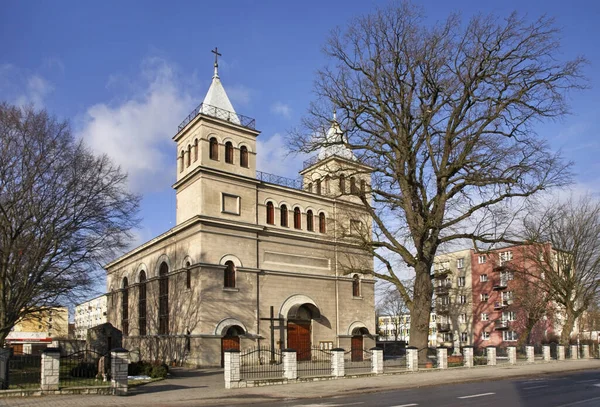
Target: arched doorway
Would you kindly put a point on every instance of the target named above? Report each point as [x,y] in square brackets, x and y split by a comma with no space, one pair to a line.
[230,340]
[357,343]
[299,329]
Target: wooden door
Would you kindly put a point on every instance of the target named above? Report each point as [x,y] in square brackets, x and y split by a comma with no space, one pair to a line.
[17,348]
[357,348]
[228,342]
[298,335]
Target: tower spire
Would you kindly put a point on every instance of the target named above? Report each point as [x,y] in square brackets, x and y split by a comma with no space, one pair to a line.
[217,55]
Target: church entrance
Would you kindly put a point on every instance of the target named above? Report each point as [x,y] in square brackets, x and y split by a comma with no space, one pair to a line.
[298,334]
[357,348]
[231,340]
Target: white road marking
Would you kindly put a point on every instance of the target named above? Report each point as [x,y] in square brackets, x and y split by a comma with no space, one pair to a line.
[406,405]
[475,395]
[534,387]
[586,381]
[597,385]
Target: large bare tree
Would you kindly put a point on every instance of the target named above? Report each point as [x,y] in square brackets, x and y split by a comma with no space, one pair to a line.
[63,212]
[443,114]
[565,238]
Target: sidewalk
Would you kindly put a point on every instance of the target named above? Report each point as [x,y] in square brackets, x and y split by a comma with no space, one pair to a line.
[206,387]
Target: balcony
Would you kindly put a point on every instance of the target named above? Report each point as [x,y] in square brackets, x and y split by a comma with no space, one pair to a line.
[501,325]
[500,284]
[442,308]
[502,265]
[441,327]
[500,305]
[442,289]
[441,273]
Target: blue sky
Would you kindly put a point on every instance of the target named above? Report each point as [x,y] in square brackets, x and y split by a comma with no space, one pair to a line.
[127,72]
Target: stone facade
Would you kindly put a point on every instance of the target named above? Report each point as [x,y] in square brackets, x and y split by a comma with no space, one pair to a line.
[246,242]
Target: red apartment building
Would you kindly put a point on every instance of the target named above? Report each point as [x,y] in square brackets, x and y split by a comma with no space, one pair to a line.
[499,317]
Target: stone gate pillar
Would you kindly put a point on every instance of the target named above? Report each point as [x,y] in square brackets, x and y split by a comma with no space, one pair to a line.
[290,364]
[546,352]
[412,359]
[512,355]
[442,358]
[586,351]
[468,356]
[560,352]
[530,351]
[574,352]
[50,369]
[491,355]
[337,362]
[232,368]
[377,360]
[119,366]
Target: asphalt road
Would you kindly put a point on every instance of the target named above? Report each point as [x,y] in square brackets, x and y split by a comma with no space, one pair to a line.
[579,389]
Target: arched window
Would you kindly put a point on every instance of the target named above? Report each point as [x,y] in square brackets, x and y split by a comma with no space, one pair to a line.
[309,187]
[363,186]
[270,213]
[310,226]
[326,184]
[342,184]
[356,286]
[244,156]
[322,228]
[163,299]
[181,161]
[189,155]
[353,189]
[213,151]
[142,303]
[188,275]
[195,150]
[297,218]
[125,308]
[319,186]
[229,275]
[284,215]
[229,152]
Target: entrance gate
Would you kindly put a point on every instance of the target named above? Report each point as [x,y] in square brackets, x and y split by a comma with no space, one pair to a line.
[298,334]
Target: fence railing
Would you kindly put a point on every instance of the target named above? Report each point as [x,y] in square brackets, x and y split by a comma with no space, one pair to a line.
[278,180]
[219,113]
[394,363]
[24,371]
[357,361]
[319,363]
[84,368]
[261,362]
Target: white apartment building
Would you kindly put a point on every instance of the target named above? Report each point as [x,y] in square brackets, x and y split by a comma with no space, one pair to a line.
[89,314]
[390,324]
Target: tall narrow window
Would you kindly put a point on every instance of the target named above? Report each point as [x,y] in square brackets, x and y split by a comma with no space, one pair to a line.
[353,189]
[270,213]
[125,308]
[284,215]
[326,185]
[229,276]
[297,218]
[195,150]
[142,303]
[244,156]
[319,186]
[310,226]
[342,184]
[182,161]
[188,275]
[189,155]
[356,286]
[309,187]
[229,152]
[322,228]
[363,186]
[213,151]
[163,300]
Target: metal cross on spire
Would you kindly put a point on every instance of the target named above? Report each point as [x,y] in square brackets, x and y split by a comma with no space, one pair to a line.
[217,55]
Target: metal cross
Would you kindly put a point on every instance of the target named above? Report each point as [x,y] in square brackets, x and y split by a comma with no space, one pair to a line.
[217,55]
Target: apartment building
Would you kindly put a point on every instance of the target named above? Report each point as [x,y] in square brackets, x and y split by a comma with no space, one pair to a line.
[397,328]
[34,333]
[90,314]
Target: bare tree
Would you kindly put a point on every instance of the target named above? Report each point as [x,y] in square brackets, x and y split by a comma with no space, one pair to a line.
[566,251]
[393,306]
[443,115]
[63,212]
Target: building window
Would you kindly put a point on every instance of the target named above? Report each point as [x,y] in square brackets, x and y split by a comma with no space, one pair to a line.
[485,335]
[319,187]
[297,218]
[464,337]
[309,187]
[244,156]
[270,213]
[353,189]
[355,227]
[462,318]
[356,286]
[283,215]
[483,278]
[310,221]
[460,263]
[363,186]
[189,155]
[462,299]
[509,336]
[326,184]
[125,308]
[507,295]
[509,316]
[181,160]
[484,297]
[195,150]
[213,151]
[229,152]
[484,316]
[342,184]
[461,281]
[229,276]
[506,256]
[481,259]
[322,228]
[163,299]
[188,275]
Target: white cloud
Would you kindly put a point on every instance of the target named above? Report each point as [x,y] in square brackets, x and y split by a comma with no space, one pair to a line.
[239,94]
[282,109]
[273,157]
[136,133]
[22,88]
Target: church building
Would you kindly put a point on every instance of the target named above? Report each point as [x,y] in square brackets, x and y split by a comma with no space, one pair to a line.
[254,259]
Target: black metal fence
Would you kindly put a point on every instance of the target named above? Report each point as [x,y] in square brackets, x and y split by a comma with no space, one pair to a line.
[219,113]
[261,363]
[318,365]
[393,363]
[84,368]
[358,361]
[24,371]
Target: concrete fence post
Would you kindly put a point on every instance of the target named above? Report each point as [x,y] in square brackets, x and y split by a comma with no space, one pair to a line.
[512,355]
[585,349]
[491,355]
[442,358]
[574,352]
[290,364]
[560,352]
[377,360]
[530,352]
[468,356]
[119,367]
[337,362]
[232,368]
[412,359]
[546,352]
[50,369]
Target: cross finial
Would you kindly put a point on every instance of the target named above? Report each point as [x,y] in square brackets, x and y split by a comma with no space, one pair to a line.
[217,55]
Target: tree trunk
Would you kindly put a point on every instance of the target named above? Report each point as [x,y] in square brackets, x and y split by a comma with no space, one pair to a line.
[420,310]
[565,335]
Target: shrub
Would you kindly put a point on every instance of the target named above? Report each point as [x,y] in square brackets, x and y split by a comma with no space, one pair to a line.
[159,371]
[154,370]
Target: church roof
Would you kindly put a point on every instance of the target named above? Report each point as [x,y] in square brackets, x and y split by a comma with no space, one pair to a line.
[335,143]
[216,99]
